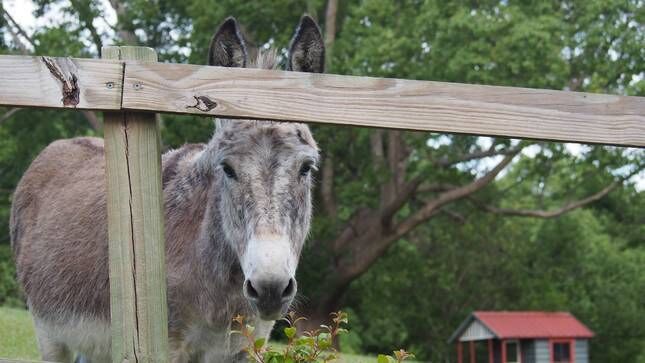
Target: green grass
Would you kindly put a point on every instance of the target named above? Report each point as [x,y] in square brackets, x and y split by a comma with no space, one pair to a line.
[17,339]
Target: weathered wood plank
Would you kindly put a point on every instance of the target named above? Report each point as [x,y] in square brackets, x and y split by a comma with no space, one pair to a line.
[60,82]
[387,103]
[291,96]
[135,230]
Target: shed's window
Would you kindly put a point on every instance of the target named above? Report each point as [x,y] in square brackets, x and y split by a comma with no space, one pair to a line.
[512,352]
[562,352]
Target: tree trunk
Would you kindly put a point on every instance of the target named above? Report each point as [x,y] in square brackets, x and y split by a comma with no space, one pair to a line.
[354,251]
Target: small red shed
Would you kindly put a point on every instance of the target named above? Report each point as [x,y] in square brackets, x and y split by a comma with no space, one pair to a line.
[522,337]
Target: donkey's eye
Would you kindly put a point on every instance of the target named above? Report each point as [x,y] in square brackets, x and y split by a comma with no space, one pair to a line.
[305,168]
[228,170]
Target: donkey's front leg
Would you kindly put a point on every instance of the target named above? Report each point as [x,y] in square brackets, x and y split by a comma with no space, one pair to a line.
[179,352]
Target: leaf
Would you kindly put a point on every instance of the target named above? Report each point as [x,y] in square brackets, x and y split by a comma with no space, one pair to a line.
[259,343]
[290,332]
[305,341]
[324,343]
[274,357]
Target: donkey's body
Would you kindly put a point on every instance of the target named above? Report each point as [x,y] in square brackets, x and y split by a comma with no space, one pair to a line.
[222,228]
[61,248]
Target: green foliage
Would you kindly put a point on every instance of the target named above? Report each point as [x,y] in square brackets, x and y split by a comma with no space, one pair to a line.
[397,356]
[9,290]
[570,264]
[315,346]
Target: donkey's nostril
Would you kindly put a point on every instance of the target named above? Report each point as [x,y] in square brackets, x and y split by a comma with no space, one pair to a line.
[270,296]
[290,290]
[250,291]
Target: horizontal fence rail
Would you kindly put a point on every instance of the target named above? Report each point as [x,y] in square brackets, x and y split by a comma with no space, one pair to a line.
[60,82]
[386,103]
[322,98]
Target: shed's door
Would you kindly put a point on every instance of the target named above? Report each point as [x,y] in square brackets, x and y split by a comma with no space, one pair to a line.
[561,351]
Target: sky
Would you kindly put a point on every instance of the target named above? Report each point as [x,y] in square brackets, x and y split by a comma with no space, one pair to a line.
[22,11]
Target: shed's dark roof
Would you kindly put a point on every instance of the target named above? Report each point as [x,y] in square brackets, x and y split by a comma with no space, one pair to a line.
[528,324]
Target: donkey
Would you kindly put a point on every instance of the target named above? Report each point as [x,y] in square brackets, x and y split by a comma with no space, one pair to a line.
[237,212]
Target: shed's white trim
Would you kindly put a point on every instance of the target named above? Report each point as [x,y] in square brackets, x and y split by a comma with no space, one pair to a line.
[476,331]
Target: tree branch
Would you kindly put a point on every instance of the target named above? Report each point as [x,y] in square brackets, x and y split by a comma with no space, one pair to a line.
[435,187]
[549,213]
[327,187]
[86,18]
[8,114]
[394,161]
[397,155]
[376,145]
[127,36]
[559,211]
[402,197]
[457,217]
[92,119]
[327,183]
[330,26]
[433,206]
[20,31]
[415,186]
[479,154]
[379,161]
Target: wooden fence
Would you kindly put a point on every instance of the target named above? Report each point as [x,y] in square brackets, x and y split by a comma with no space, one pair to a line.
[128,84]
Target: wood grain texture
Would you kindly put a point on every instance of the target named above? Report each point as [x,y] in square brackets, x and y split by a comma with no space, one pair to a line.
[319,98]
[135,229]
[36,82]
[386,103]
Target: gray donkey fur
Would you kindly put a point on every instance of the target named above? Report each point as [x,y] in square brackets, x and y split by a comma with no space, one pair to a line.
[237,212]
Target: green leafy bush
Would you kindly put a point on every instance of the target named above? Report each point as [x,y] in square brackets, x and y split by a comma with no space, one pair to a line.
[315,346]
[9,291]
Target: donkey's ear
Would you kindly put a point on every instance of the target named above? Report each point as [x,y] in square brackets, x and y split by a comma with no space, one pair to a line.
[227,48]
[307,49]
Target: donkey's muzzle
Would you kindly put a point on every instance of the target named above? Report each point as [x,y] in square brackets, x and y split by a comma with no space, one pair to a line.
[271,297]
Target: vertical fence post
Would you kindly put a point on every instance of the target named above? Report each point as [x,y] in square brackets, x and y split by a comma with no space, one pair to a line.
[135,229]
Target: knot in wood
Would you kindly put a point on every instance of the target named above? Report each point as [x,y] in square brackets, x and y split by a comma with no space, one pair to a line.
[203,103]
[64,70]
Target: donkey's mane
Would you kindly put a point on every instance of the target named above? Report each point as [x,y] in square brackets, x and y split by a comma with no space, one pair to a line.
[265,59]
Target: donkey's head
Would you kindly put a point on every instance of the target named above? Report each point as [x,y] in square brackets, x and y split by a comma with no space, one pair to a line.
[263,176]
